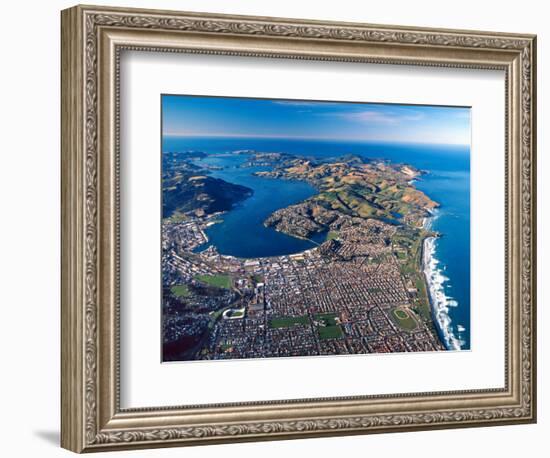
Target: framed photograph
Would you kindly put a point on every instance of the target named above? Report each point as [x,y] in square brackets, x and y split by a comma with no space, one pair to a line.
[277,228]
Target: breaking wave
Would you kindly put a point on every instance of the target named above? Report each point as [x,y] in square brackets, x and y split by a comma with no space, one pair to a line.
[439,300]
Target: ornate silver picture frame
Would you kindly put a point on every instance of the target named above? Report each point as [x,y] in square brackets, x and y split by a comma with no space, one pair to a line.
[93,39]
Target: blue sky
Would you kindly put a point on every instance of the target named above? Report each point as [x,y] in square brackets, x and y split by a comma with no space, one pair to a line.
[198,116]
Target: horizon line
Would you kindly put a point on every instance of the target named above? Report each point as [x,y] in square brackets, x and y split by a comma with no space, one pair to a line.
[306,137]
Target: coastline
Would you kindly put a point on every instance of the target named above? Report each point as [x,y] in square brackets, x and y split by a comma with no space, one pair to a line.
[439,302]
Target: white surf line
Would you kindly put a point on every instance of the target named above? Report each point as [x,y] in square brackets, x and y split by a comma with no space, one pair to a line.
[435,281]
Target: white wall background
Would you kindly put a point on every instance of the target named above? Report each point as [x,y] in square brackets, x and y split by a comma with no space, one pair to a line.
[29,230]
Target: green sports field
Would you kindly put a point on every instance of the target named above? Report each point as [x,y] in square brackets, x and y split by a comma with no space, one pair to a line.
[219,281]
[403,319]
[329,329]
[288,321]
[180,290]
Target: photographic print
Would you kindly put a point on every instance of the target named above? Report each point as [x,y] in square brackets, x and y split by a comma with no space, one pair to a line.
[305,228]
[335,221]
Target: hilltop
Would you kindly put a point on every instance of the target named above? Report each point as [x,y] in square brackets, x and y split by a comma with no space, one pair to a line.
[188,188]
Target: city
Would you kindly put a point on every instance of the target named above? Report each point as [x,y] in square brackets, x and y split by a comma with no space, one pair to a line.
[352,294]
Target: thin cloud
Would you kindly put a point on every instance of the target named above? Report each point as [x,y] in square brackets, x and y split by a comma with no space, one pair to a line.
[381,117]
[302,103]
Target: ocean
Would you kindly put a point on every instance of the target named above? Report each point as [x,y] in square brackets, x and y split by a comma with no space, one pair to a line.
[447,258]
